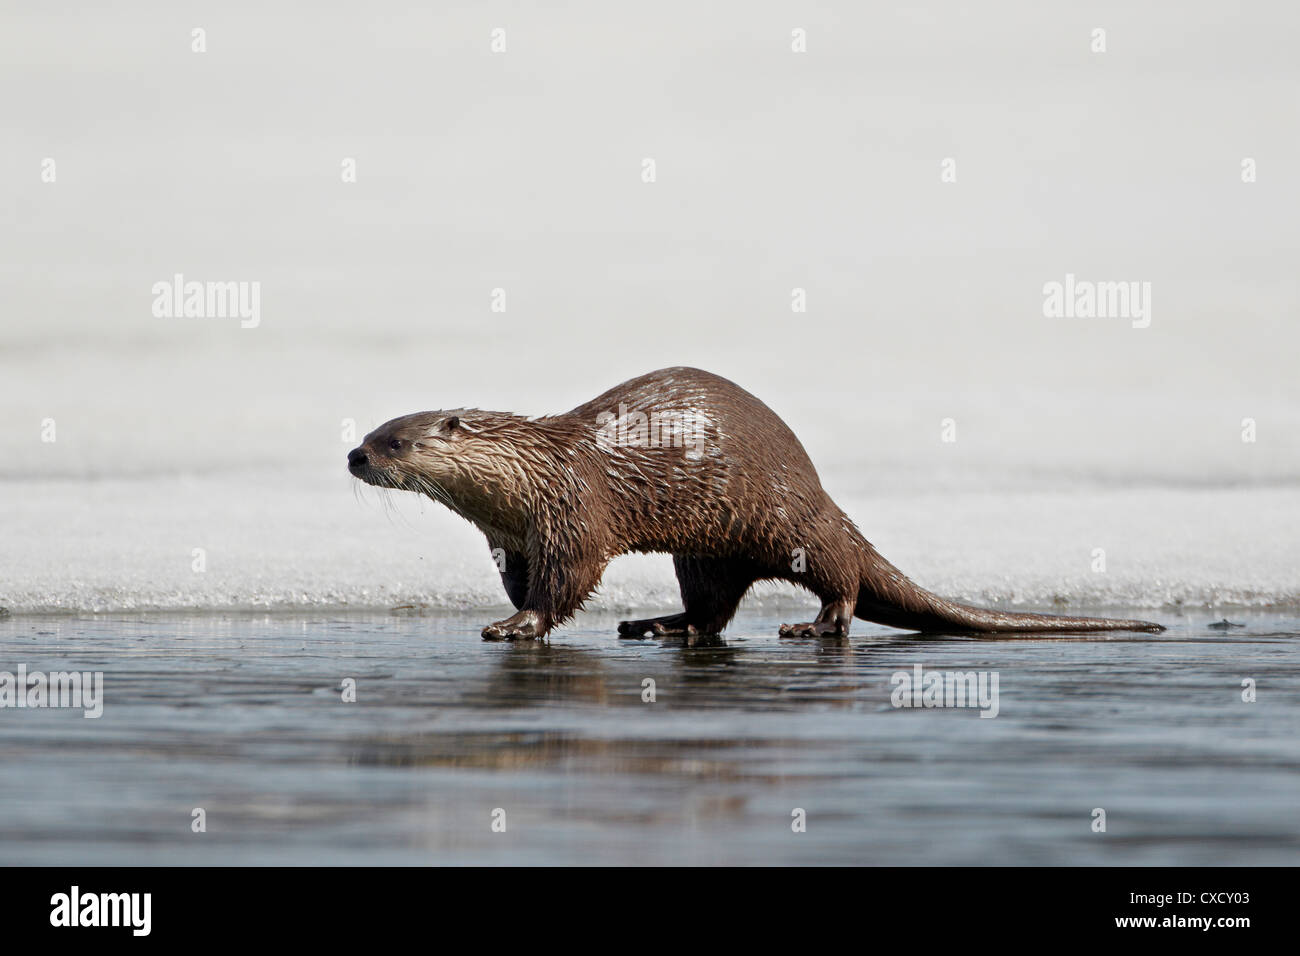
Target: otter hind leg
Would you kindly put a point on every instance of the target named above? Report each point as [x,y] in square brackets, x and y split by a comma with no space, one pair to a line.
[832,621]
[711,591]
[669,625]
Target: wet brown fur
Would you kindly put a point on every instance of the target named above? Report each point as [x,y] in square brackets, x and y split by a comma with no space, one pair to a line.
[732,496]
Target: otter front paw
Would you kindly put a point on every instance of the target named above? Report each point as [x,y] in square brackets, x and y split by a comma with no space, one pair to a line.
[521,627]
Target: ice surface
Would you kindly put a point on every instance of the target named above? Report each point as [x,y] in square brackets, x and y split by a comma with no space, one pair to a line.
[286,540]
[522,172]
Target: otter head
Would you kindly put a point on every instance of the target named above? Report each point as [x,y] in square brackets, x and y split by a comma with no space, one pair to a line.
[413,453]
[466,459]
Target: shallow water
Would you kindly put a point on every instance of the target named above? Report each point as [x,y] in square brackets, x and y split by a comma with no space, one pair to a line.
[242,715]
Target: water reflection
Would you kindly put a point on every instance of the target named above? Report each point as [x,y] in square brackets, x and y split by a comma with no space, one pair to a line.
[243,715]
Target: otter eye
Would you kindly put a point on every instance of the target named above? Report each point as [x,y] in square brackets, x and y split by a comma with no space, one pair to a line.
[453,422]
[395,444]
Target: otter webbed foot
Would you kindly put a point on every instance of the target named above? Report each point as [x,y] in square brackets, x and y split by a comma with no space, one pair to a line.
[815,629]
[672,625]
[833,620]
[523,626]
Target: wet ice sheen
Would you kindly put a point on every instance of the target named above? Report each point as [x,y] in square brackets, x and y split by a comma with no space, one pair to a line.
[241,715]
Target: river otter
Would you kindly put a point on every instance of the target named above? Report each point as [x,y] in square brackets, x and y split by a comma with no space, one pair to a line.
[678,461]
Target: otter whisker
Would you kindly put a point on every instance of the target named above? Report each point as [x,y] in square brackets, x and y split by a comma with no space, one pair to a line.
[427,486]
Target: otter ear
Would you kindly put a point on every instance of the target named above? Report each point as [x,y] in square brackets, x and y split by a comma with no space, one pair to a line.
[453,423]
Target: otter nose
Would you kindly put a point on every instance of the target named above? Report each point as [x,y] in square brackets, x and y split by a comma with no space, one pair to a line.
[357,458]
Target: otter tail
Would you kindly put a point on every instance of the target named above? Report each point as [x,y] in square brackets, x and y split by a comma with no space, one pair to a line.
[887,596]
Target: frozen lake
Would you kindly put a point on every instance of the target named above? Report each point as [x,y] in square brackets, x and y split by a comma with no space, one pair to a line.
[242,715]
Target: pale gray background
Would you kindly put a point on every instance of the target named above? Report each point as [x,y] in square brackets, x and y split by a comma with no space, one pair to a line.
[775,170]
